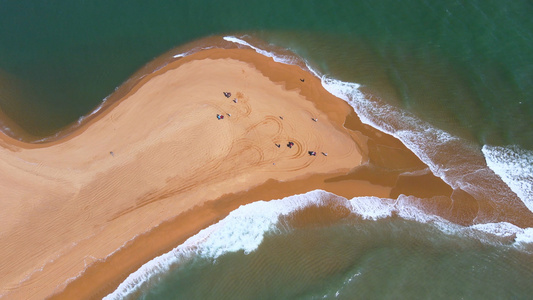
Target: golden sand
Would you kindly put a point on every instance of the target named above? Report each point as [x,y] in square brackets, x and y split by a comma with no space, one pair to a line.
[158,166]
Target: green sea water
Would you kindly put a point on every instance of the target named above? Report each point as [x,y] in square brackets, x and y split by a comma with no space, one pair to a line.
[466,67]
[386,259]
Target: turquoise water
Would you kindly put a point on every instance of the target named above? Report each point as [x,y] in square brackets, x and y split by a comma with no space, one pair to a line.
[463,66]
[392,259]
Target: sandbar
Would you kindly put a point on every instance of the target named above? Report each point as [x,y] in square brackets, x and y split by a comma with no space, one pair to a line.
[82,212]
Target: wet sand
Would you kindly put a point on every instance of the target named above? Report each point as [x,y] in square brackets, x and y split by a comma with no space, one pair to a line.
[158,166]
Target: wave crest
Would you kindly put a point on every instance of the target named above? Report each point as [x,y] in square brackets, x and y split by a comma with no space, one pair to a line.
[515,168]
[244,228]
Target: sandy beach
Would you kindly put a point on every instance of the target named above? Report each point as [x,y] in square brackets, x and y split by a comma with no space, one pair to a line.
[80,213]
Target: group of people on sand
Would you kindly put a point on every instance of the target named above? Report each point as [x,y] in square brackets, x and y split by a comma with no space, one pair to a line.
[227,95]
[311,153]
[289,144]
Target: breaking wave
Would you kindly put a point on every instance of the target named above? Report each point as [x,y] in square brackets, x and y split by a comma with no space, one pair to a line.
[515,167]
[244,229]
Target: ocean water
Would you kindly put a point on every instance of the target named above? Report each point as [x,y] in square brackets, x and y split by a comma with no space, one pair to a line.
[464,66]
[307,247]
[450,79]
[390,259]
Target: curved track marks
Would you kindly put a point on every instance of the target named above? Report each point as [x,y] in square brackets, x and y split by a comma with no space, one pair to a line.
[251,146]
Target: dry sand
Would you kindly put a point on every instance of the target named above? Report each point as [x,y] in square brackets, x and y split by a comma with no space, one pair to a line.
[158,166]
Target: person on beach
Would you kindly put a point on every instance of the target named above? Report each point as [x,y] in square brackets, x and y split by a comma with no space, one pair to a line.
[220,117]
[312,153]
[277,145]
[235,100]
[281,117]
[290,144]
[314,119]
[227,94]
[325,153]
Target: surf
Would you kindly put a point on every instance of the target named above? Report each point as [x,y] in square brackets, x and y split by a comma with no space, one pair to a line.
[245,228]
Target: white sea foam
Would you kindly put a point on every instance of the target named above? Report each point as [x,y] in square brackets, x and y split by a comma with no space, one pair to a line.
[448,157]
[181,55]
[420,137]
[515,167]
[401,124]
[524,237]
[372,208]
[502,229]
[192,51]
[285,59]
[244,229]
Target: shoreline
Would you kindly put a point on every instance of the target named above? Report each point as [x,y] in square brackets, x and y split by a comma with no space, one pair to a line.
[100,160]
[94,283]
[128,189]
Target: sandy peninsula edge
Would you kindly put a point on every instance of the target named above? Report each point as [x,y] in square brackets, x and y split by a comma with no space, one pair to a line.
[183,221]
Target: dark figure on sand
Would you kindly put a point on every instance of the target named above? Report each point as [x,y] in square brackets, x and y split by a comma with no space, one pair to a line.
[277,145]
[227,94]
[325,153]
[290,144]
[220,117]
[312,153]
